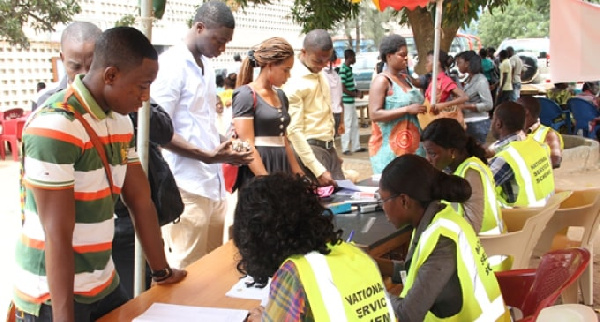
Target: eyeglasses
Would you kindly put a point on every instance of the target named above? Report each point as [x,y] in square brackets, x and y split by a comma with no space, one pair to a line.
[382,200]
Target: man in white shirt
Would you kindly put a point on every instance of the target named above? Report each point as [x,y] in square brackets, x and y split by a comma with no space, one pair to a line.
[186,88]
[336,90]
[517,66]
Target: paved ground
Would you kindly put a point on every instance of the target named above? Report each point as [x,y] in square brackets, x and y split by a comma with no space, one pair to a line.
[357,162]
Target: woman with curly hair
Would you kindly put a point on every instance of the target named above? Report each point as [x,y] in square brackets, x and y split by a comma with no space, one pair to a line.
[260,110]
[445,274]
[393,106]
[281,231]
[448,147]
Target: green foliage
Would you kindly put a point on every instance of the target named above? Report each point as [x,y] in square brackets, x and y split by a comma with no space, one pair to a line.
[322,14]
[520,19]
[40,15]
[125,21]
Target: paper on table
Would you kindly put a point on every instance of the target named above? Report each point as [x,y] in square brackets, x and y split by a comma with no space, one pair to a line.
[161,312]
[241,291]
[347,184]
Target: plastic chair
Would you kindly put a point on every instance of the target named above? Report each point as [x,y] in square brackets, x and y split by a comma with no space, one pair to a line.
[14,113]
[581,209]
[524,225]
[552,115]
[583,112]
[531,290]
[567,313]
[12,133]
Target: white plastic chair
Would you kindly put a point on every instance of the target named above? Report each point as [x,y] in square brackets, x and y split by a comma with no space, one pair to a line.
[581,209]
[524,225]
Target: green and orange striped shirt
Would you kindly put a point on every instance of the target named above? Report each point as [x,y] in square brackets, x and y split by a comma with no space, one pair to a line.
[58,154]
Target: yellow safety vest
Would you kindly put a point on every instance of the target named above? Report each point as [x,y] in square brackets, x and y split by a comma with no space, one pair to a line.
[344,285]
[542,131]
[482,299]
[531,164]
[492,216]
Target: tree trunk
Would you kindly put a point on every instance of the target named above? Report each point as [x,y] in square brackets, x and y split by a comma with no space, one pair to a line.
[423,30]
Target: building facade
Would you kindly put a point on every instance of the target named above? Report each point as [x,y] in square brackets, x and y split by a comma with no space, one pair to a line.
[21,70]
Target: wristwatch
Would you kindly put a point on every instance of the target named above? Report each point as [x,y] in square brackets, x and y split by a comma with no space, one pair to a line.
[162,274]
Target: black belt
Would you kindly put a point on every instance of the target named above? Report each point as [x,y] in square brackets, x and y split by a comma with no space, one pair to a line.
[322,144]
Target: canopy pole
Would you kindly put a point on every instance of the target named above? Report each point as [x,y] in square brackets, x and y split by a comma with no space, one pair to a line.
[143,134]
[436,50]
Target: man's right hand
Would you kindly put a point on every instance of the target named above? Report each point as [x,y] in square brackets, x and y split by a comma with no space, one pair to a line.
[225,154]
[326,180]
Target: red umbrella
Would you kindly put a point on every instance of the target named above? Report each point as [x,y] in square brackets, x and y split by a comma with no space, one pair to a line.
[399,4]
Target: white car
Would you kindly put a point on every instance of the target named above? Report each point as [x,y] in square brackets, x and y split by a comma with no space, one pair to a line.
[534,54]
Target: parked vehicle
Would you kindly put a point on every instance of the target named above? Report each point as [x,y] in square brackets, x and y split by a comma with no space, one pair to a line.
[534,54]
[363,69]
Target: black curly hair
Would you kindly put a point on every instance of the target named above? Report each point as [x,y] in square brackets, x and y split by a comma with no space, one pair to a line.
[277,216]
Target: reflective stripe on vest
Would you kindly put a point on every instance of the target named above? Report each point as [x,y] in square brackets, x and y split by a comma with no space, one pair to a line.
[530,193]
[344,285]
[482,299]
[491,209]
[542,131]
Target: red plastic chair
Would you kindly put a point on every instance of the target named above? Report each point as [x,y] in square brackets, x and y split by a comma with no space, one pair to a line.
[14,113]
[12,133]
[531,290]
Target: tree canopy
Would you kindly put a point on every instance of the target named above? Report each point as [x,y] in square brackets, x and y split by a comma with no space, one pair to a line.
[519,19]
[39,15]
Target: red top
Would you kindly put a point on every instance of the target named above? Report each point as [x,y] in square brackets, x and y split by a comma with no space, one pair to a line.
[445,85]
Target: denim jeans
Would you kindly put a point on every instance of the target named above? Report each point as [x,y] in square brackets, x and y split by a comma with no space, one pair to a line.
[479,130]
[516,92]
[83,312]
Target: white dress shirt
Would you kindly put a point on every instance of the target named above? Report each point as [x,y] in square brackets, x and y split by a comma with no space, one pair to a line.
[189,95]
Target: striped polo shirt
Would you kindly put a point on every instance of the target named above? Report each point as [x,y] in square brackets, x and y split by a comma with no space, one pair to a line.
[58,154]
[348,81]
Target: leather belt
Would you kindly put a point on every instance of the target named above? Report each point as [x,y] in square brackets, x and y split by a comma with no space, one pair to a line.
[275,141]
[322,144]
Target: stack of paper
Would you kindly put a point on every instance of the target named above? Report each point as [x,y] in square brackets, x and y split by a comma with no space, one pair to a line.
[161,312]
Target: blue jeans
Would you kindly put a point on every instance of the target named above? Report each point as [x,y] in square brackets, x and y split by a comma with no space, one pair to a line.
[83,312]
[516,92]
[479,130]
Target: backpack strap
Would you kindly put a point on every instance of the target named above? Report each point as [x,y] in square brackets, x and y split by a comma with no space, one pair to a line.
[91,133]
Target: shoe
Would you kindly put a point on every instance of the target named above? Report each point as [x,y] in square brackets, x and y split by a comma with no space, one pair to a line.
[361,150]
[347,153]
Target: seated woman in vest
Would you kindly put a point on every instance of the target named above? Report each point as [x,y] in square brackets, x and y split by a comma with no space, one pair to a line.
[445,274]
[280,231]
[448,147]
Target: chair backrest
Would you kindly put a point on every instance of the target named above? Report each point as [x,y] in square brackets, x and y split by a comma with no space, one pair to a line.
[13,127]
[550,111]
[524,229]
[583,112]
[581,209]
[557,270]
[13,113]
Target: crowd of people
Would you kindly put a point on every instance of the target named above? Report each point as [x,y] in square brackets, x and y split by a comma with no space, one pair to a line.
[438,175]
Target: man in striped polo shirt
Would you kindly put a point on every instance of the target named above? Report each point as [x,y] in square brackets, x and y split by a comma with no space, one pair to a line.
[350,93]
[64,266]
